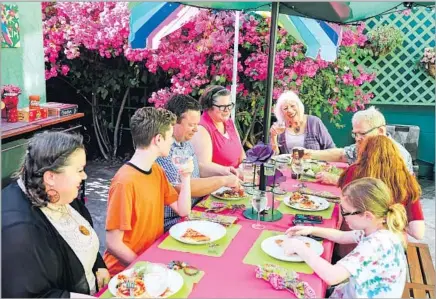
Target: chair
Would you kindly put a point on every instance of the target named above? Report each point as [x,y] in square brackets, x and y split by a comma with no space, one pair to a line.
[407,136]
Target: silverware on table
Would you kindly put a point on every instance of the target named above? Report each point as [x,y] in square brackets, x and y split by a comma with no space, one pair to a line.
[130,285]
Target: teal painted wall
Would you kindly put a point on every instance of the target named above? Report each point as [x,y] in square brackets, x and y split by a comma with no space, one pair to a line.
[24,66]
[422,116]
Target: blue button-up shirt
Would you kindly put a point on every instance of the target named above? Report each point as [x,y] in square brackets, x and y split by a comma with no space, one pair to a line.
[172,174]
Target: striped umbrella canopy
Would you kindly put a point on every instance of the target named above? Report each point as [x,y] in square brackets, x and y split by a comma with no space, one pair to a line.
[319,37]
[151,21]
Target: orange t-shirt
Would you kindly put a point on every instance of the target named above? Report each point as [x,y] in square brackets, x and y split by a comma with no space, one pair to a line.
[136,206]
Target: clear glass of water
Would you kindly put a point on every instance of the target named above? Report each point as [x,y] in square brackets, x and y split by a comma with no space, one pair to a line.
[259,202]
[248,175]
[269,168]
[180,159]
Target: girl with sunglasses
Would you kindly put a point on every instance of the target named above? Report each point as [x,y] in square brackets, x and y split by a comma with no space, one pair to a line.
[377,267]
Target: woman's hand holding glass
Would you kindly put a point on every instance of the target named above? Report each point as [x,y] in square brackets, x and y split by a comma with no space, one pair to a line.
[278,128]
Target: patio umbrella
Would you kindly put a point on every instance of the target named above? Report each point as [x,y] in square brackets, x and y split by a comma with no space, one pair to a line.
[319,37]
[151,21]
[336,12]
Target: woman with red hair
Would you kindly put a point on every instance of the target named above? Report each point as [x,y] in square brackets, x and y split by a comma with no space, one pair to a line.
[379,157]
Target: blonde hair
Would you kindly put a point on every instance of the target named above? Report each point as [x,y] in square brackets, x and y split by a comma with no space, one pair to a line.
[371,116]
[286,98]
[372,195]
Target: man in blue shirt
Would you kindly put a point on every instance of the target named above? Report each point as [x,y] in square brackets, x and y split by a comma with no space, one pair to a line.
[203,181]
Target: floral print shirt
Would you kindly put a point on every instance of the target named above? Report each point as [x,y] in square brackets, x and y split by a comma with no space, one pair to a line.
[377,266]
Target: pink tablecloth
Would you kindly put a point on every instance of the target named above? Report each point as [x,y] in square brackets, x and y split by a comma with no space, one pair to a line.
[227,276]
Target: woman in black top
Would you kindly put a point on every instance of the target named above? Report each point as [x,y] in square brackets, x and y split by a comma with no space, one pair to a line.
[49,248]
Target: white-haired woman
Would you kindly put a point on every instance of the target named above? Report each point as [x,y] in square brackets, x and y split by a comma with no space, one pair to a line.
[299,130]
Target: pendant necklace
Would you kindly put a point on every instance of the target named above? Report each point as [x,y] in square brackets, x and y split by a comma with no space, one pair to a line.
[82,229]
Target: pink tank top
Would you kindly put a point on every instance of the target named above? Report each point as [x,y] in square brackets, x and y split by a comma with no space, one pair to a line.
[225,151]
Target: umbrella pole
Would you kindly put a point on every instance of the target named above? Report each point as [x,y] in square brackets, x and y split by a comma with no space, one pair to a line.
[270,80]
[235,62]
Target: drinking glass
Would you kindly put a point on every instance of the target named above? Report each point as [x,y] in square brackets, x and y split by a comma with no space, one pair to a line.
[156,279]
[247,169]
[269,168]
[180,158]
[280,127]
[259,202]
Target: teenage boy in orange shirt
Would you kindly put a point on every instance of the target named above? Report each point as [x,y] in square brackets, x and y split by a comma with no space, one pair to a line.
[140,190]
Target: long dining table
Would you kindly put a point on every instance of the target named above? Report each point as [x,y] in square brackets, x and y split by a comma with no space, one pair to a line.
[227,276]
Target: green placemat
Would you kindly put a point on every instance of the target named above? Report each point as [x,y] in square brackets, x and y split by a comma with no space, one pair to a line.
[256,256]
[188,285]
[326,214]
[216,249]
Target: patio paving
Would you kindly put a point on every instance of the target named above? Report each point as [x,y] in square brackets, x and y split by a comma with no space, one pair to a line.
[100,175]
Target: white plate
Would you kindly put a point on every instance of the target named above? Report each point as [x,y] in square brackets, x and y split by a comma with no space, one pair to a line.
[214,231]
[321,202]
[270,247]
[222,189]
[174,278]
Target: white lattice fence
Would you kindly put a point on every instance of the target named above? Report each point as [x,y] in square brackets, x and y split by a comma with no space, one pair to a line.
[399,81]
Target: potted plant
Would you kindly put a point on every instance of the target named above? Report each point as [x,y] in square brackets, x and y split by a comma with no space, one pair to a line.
[428,61]
[382,40]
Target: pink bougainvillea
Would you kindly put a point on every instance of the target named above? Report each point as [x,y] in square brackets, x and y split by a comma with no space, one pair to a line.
[201,53]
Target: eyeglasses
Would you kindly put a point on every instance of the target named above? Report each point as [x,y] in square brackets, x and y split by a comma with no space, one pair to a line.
[223,108]
[349,214]
[354,135]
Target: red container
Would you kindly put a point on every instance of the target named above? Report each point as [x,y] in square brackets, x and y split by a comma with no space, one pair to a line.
[29,115]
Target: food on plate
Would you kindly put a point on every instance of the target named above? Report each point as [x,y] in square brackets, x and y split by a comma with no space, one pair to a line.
[279,242]
[297,197]
[136,285]
[307,203]
[231,193]
[193,235]
[310,172]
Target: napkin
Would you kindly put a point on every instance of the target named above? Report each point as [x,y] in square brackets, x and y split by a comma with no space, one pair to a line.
[221,219]
[281,279]
[260,153]
[279,178]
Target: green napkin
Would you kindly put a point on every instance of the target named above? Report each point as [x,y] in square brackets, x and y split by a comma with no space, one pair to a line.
[217,249]
[188,285]
[256,256]
[326,214]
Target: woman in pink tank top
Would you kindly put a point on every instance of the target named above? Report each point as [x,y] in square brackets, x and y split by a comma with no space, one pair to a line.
[217,139]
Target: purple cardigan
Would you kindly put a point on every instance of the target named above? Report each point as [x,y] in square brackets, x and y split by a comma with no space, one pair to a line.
[317,136]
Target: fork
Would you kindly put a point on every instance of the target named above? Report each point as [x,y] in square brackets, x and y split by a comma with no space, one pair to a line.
[130,285]
[212,247]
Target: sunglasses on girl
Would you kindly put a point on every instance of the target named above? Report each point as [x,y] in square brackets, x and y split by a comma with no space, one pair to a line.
[349,213]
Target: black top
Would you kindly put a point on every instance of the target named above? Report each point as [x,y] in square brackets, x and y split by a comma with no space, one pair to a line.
[36,260]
